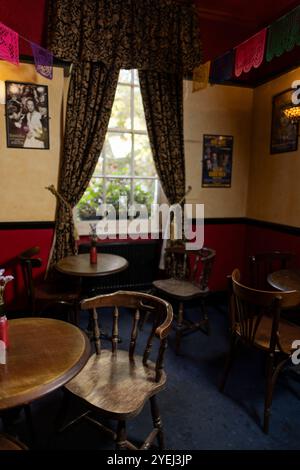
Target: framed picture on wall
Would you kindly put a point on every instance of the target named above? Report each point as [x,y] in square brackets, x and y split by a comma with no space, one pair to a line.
[284,133]
[27,118]
[217,161]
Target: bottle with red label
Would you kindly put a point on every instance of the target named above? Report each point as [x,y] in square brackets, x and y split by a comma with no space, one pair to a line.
[93,253]
[3,335]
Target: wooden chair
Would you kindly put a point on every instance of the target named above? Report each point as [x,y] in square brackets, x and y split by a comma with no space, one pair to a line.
[255,321]
[188,274]
[117,383]
[262,264]
[46,294]
[10,443]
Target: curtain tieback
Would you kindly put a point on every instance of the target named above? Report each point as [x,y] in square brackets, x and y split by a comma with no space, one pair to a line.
[54,191]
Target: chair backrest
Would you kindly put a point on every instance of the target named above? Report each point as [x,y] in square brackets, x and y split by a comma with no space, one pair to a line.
[28,262]
[249,306]
[190,265]
[262,264]
[161,313]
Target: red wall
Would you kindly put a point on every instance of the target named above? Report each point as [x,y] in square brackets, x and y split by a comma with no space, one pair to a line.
[260,239]
[12,243]
[233,243]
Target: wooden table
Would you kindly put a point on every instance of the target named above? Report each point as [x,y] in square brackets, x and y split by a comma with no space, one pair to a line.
[285,279]
[79,265]
[43,355]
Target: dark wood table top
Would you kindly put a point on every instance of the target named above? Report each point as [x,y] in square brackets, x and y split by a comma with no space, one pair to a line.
[79,265]
[43,355]
[285,279]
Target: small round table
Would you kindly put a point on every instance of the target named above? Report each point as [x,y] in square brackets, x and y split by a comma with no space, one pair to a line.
[43,355]
[79,265]
[285,279]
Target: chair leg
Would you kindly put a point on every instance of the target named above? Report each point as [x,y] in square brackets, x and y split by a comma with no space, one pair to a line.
[229,362]
[179,327]
[121,443]
[272,375]
[157,422]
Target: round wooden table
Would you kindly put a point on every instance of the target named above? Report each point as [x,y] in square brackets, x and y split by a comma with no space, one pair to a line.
[79,265]
[43,355]
[285,279]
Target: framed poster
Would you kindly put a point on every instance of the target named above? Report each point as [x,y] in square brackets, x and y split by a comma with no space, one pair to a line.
[284,133]
[217,161]
[27,120]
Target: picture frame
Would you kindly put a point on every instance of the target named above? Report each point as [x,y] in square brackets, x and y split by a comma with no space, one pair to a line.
[284,133]
[27,115]
[217,161]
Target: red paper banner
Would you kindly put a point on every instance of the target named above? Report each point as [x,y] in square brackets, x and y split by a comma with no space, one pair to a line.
[9,44]
[250,53]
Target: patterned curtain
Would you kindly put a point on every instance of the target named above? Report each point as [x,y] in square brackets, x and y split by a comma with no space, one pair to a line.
[163,104]
[161,39]
[91,94]
[158,35]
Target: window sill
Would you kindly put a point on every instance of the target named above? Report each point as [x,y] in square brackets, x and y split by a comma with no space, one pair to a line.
[121,229]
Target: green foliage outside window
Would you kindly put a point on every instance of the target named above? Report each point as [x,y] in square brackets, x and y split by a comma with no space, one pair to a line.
[93,197]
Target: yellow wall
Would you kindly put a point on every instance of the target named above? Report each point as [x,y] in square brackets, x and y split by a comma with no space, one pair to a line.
[26,172]
[218,110]
[274,194]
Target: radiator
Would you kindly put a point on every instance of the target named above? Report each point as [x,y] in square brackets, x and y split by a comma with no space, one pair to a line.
[143,259]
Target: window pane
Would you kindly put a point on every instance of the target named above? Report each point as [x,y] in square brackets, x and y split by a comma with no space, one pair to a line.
[125,76]
[145,192]
[118,193]
[90,203]
[136,77]
[99,167]
[139,116]
[118,154]
[143,160]
[120,115]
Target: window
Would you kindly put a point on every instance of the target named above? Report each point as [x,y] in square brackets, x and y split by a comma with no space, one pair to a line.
[125,170]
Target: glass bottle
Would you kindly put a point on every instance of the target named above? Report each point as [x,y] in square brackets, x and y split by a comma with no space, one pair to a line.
[93,252]
[3,334]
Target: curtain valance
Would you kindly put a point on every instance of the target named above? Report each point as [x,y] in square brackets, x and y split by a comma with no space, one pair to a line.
[157,35]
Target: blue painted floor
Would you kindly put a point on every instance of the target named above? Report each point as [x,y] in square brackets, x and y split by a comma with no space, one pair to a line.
[195,414]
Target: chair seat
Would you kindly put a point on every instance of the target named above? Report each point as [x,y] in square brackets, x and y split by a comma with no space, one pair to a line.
[10,443]
[115,385]
[288,332]
[56,291]
[179,289]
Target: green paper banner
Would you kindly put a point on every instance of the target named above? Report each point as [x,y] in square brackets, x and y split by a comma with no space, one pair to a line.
[283,34]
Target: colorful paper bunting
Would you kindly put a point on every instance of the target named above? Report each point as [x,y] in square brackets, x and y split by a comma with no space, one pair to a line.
[9,44]
[283,34]
[222,68]
[43,60]
[250,53]
[201,76]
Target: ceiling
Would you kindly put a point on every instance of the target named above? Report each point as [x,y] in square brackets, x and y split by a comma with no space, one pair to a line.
[223,25]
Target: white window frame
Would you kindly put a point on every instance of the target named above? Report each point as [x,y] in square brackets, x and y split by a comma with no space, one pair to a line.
[83,226]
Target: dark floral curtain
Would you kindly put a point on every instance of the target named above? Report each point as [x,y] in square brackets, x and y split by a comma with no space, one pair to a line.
[91,94]
[161,39]
[163,105]
[158,35]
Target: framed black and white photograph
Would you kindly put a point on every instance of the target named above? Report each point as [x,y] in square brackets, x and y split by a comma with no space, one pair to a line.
[27,118]
[217,161]
[284,132]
